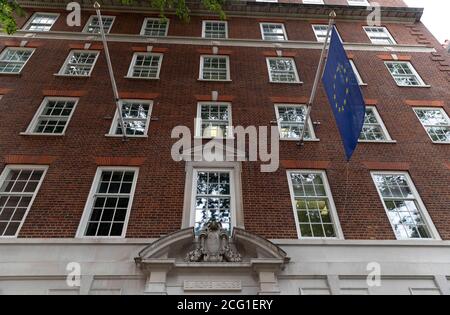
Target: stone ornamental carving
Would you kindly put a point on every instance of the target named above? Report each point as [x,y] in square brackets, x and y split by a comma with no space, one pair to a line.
[214,246]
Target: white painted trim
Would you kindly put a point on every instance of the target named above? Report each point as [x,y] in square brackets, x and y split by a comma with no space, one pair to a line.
[333,211]
[424,126]
[94,16]
[27,24]
[200,74]
[423,210]
[90,202]
[413,70]
[214,21]
[383,128]
[261,24]
[386,31]
[142,32]
[309,124]
[133,62]
[66,62]
[3,175]
[38,113]
[113,128]
[16,48]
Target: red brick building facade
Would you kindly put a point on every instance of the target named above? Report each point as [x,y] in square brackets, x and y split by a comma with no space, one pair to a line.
[160,192]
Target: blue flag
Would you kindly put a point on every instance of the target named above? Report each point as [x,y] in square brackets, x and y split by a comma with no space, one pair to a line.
[344,94]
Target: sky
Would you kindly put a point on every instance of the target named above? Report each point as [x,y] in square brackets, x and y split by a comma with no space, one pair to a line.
[436,16]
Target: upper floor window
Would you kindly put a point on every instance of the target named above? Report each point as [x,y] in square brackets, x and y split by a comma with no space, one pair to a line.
[436,122]
[379,35]
[282,70]
[404,73]
[403,205]
[41,21]
[214,68]
[314,210]
[136,116]
[79,63]
[13,59]
[155,27]
[93,24]
[213,120]
[313,1]
[53,116]
[214,198]
[320,31]
[215,29]
[373,129]
[359,2]
[145,66]
[109,203]
[273,31]
[19,186]
[291,121]
[356,72]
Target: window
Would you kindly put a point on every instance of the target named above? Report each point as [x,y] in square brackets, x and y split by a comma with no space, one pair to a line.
[215,29]
[282,70]
[109,204]
[356,72]
[313,205]
[53,116]
[79,63]
[359,2]
[273,31]
[291,121]
[213,120]
[379,35]
[436,123]
[404,73]
[215,68]
[136,116]
[320,30]
[373,129]
[12,60]
[93,24]
[313,1]
[145,66]
[155,27]
[18,188]
[404,207]
[41,22]
[213,192]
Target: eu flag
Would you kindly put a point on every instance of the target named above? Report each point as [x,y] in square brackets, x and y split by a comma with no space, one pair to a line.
[344,94]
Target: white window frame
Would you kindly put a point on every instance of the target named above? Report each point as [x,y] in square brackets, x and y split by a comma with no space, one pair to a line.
[363,3]
[385,31]
[444,113]
[30,20]
[383,128]
[261,27]
[66,63]
[90,202]
[198,120]
[357,74]
[308,124]
[115,122]
[133,64]
[297,78]
[142,33]
[34,121]
[423,210]
[89,21]
[333,211]
[414,72]
[214,21]
[3,175]
[313,1]
[3,52]
[202,57]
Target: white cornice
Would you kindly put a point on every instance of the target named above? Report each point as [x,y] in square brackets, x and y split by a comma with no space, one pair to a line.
[198,41]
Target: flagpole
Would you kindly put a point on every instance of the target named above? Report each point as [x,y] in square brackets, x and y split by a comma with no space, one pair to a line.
[110,70]
[319,74]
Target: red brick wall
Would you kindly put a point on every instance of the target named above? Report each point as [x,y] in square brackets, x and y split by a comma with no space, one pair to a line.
[158,201]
